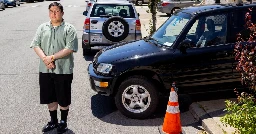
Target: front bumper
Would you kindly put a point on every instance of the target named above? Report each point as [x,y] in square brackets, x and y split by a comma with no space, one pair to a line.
[95,79]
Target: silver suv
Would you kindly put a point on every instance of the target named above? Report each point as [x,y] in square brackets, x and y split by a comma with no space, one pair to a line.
[110,22]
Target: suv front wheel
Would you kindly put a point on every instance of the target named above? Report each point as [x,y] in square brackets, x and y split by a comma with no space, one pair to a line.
[137,97]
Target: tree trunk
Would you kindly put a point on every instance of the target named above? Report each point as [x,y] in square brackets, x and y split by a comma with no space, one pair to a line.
[152,6]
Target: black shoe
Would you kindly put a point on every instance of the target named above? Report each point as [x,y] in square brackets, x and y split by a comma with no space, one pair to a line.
[50,126]
[62,127]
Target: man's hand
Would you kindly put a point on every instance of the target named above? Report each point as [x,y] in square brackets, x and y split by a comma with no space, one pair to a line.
[47,60]
[50,66]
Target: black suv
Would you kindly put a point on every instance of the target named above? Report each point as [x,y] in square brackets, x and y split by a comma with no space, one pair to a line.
[193,48]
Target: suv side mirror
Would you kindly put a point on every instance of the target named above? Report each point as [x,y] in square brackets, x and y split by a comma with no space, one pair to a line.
[85,13]
[139,14]
[185,44]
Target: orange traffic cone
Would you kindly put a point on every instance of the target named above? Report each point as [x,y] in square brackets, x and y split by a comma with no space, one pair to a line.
[172,123]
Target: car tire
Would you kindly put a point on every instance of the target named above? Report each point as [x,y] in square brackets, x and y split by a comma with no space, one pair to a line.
[108,23]
[145,87]
[14,5]
[40,0]
[86,51]
[30,1]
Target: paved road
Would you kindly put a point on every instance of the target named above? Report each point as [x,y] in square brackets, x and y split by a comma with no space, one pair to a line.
[20,111]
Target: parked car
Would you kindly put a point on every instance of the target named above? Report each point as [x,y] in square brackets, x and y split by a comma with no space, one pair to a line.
[109,22]
[2,5]
[13,3]
[170,6]
[139,2]
[31,1]
[193,48]
[89,3]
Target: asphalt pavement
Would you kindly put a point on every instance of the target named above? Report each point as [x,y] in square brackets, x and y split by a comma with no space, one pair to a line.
[20,111]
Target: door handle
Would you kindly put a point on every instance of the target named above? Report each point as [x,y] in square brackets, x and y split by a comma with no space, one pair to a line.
[222,53]
[94,21]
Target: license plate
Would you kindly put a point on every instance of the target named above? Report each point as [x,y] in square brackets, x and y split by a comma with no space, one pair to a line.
[96,38]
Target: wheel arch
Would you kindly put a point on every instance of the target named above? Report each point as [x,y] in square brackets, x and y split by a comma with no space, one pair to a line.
[151,75]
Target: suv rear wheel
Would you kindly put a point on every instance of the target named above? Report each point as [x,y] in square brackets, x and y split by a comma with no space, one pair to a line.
[30,1]
[115,29]
[86,51]
[137,97]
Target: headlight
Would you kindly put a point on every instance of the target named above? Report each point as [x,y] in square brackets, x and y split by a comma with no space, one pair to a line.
[104,68]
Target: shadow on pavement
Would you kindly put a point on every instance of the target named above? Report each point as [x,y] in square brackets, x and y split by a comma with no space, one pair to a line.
[55,132]
[103,107]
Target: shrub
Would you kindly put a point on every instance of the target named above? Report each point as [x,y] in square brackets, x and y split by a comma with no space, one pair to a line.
[241,114]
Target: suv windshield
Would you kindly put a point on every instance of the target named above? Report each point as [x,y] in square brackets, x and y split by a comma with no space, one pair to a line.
[168,32]
[101,10]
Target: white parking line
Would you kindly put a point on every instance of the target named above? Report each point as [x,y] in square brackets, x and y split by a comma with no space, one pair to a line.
[35,6]
[73,6]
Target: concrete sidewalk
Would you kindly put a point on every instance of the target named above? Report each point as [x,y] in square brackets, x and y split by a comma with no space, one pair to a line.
[208,113]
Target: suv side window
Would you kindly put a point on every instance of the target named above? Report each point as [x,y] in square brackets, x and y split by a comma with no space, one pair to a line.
[208,31]
[238,23]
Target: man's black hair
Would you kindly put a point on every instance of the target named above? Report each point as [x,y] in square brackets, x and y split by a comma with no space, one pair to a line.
[56,4]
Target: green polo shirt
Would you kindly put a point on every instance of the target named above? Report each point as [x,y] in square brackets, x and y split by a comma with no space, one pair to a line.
[53,39]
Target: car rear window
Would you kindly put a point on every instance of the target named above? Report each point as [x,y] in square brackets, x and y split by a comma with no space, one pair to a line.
[125,11]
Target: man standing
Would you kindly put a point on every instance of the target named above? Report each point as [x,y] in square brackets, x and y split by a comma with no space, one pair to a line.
[55,42]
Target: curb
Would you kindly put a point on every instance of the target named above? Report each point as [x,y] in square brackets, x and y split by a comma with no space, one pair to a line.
[208,123]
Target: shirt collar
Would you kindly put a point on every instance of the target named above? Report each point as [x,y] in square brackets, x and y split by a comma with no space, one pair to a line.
[50,24]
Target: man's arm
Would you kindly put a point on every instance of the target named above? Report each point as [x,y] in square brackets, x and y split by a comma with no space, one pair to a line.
[40,53]
[62,53]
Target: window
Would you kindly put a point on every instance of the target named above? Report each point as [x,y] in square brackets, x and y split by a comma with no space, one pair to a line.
[238,24]
[100,10]
[171,29]
[208,31]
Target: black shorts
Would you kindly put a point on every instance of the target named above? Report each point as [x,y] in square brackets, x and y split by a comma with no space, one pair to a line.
[55,88]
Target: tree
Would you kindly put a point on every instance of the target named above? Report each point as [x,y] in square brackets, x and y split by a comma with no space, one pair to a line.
[152,9]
